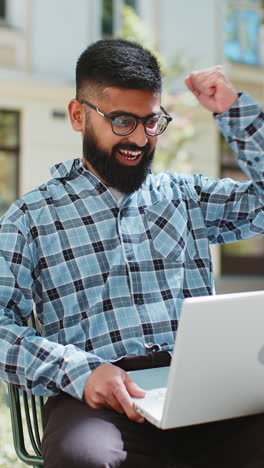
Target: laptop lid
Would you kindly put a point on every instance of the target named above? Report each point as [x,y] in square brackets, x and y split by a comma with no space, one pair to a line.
[217,368]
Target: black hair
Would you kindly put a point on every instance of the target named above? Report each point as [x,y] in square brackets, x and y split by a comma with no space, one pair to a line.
[117,62]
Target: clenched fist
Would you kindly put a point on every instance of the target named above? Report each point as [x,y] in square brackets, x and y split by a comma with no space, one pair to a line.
[212,88]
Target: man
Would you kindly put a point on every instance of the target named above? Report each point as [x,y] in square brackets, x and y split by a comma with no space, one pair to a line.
[108,251]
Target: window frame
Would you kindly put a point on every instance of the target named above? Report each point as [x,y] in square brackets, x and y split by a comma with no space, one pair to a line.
[13,150]
[245,5]
[3,19]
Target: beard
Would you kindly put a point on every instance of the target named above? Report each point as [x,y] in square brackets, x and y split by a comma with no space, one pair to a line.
[125,179]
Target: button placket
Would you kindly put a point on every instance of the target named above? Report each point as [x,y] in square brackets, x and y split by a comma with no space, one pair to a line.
[133,267]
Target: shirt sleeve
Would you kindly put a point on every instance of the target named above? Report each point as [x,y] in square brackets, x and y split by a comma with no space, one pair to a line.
[234,210]
[243,128]
[27,359]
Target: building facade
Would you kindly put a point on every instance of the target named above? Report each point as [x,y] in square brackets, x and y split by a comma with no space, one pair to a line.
[40,43]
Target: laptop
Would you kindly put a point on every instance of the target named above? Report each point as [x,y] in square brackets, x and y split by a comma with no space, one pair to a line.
[217,366]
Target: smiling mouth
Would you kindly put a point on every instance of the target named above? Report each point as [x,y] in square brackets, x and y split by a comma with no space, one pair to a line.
[130,155]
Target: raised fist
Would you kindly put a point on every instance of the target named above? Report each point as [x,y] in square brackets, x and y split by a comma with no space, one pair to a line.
[212,88]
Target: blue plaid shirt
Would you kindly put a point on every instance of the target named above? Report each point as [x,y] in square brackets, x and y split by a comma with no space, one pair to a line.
[109,281]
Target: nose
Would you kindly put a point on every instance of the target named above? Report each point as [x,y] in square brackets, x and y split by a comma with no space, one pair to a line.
[138,136]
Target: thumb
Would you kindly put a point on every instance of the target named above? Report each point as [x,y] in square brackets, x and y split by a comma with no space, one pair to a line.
[133,389]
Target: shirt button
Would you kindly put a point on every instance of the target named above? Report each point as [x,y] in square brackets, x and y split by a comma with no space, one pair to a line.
[152,347]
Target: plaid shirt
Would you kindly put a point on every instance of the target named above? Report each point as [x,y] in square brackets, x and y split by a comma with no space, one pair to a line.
[109,281]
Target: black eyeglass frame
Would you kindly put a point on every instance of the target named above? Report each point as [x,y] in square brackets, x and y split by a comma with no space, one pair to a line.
[144,120]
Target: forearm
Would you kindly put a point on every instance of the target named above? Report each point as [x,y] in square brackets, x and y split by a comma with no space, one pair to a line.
[233,210]
[39,365]
[243,127]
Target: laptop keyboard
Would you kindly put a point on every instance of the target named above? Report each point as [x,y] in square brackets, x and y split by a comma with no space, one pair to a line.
[157,393]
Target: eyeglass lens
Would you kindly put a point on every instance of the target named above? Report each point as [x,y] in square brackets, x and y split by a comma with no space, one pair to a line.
[154,125]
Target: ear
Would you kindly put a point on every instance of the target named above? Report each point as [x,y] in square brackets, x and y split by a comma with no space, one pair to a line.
[76,114]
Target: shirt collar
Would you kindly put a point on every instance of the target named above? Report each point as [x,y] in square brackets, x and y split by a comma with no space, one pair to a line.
[65,168]
[73,169]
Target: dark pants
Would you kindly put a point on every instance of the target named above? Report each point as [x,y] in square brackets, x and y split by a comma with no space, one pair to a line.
[77,436]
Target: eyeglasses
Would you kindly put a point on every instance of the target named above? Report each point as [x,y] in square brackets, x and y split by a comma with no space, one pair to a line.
[125,124]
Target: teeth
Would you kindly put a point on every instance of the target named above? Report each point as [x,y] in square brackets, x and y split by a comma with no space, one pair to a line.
[132,154]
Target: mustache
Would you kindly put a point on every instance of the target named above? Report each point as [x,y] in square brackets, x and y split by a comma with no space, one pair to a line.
[131,147]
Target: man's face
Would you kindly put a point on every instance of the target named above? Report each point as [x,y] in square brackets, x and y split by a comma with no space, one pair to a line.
[121,162]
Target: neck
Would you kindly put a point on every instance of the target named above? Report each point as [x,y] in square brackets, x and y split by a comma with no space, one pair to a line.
[89,168]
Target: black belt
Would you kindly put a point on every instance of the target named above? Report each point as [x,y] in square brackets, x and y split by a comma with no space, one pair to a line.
[148,361]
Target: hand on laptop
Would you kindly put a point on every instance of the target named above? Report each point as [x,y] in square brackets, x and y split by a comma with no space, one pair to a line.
[212,88]
[111,387]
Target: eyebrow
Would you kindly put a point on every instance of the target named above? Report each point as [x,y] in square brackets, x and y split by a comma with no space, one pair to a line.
[117,113]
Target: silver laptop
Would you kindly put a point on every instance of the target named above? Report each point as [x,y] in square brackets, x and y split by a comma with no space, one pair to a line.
[217,367]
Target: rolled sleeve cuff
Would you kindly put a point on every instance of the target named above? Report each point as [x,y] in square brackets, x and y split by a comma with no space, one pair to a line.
[76,371]
[238,117]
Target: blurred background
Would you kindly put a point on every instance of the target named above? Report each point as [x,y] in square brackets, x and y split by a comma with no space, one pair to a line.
[40,42]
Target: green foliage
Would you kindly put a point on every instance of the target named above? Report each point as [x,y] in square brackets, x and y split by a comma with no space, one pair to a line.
[133,28]
[172,152]
[8,457]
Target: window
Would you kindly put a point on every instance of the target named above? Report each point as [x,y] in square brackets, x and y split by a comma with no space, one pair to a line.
[131,3]
[112,15]
[244,257]
[242,31]
[2,10]
[9,151]
[107,21]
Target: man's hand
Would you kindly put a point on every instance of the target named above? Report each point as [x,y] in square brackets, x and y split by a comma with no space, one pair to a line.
[212,88]
[111,387]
